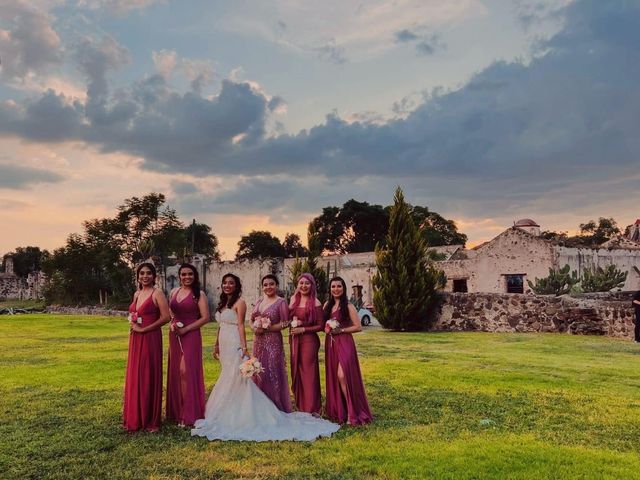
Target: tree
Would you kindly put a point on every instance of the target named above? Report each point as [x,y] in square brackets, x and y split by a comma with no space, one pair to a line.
[558,282]
[27,260]
[205,242]
[293,246]
[602,279]
[259,244]
[326,230]
[435,229]
[359,226]
[406,282]
[595,234]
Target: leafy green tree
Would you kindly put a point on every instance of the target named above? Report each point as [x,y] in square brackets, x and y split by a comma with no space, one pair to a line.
[602,279]
[595,234]
[325,231]
[406,282]
[259,244]
[205,242]
[27,260]
[558,282]
[359,226]
[293,246]
[435,229]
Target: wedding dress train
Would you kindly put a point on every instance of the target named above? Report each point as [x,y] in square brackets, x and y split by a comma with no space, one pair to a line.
[238,410]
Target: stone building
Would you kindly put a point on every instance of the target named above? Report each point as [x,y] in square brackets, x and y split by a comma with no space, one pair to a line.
[14,287]
[505,263]
[501,265]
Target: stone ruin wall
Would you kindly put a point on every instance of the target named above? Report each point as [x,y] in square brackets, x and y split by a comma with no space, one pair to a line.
[13,287]
[595,314]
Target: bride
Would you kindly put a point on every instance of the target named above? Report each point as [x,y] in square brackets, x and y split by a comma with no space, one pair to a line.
[237,409]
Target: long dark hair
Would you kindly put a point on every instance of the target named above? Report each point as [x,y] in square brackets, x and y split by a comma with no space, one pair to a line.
[195,286]
[344,303]
[151,267]
[228,301]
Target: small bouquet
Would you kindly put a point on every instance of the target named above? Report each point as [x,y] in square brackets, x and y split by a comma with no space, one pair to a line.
[261,322]
[251,367]
[330,325]
[133,317]
[295,323]
[172,328]
[173,325]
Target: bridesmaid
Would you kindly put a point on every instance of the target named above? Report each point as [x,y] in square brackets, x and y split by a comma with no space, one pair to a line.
[185,378]
[142,408]
[305,308]
[346,398]
[267,344]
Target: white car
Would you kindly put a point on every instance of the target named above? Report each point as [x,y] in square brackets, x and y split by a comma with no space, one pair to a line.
[365,316]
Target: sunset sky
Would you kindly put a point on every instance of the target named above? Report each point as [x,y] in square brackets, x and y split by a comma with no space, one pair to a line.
[255,115]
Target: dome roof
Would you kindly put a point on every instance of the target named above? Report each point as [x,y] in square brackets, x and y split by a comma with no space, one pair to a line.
[526,222]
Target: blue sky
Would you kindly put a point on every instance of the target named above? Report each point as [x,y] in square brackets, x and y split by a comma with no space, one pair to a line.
[255,115]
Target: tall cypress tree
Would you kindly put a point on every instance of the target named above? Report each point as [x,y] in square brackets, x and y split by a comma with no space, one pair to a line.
[406,283]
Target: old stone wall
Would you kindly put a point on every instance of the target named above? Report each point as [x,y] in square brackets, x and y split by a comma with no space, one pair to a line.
[250,273]
[15,288]
[597,314]
[89,310]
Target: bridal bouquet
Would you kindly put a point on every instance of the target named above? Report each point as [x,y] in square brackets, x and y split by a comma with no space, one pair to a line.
[251,367]
[261,322]
[330,325]
[133,317]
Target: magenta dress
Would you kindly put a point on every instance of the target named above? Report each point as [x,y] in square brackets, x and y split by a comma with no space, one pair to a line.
[269,349]
[190,408]
[142,408]
[341,350]
[305,372]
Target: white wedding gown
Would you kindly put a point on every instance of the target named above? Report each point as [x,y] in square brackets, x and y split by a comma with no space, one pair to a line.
[238,410]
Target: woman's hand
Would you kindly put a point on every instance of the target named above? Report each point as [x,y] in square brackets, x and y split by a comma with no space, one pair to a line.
[216,352]
[260,331]
[137,328]
[336,331]
[297,331]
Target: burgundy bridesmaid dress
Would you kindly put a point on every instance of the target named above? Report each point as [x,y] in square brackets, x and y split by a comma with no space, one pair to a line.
[305,371]
[269,349]
[143,382]
[341,350]
[187,409]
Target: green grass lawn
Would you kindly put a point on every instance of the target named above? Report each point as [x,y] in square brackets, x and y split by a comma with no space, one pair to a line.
[447,406]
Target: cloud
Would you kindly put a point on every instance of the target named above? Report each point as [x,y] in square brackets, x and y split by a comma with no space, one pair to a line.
[430,45]
[29,45]
[514,133]
[332,53]
[17,177]
[117,7]
[165,62]
[405,35]
[344,29]
[426,43]
[97,58]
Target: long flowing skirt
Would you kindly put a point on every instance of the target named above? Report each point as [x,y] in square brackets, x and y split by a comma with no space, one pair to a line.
[352,407]
[190,408]
[142,409]
[238,410]
[305,372]
[268,348]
